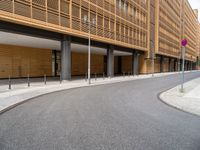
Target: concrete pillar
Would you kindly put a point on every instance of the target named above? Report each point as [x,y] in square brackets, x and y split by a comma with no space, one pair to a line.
[185,65]
[110,61]
[175,64]
[161,63]
[194,66]
[170,60]
[66,58]
[135,63]
[180,64]
[190,65]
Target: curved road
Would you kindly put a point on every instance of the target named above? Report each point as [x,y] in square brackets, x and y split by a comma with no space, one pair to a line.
[121,116]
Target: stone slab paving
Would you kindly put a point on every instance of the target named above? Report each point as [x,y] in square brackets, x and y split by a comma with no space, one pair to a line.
[188,101]
[20,92]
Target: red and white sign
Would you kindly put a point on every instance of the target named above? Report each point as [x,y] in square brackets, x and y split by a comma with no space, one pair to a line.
[184,42]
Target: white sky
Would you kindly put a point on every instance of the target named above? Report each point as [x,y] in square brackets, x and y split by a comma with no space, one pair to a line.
[195,5]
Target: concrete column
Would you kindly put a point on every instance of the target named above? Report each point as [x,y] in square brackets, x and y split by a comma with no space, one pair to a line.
[110,61]
[135,63]
[161,63]
[180,64]
[194,66]
[188,68]
[175,64]
[191,65]
[170,60]
[55,65]
[66,58]
[185,65]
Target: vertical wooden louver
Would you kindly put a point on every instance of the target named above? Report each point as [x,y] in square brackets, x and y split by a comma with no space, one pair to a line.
[52,12]
[124,22]
[22,7]
[39,10]
[64,13]
[6,5]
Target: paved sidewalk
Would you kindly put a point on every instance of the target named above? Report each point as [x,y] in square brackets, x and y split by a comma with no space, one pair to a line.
[188,101]
[20,92]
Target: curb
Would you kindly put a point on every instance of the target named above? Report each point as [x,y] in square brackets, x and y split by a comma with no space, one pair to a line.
[70,88]
[161,99]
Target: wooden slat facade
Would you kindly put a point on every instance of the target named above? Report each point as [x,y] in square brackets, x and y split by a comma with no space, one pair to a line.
[175,20]
[168,24]
[144,25]
[122,22]
[190,30]
[18,61]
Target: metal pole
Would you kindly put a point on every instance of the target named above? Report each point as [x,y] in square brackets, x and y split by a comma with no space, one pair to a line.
[95,76]
[28,81]
[9,83]
[89,82]
[103,76]
[60,79]
[183,67]
[45,79]
[85,76]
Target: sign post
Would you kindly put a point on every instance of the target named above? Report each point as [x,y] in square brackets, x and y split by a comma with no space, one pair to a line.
[183,43]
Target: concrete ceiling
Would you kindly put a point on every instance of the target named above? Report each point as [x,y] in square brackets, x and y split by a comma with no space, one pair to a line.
[28,41]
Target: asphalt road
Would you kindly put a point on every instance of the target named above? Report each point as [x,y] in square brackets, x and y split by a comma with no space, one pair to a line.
[121,116]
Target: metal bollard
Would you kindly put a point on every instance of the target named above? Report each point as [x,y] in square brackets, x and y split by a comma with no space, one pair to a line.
[45,79]
[9,83]
[28,80]
[103,76]
[86,77]
[60,79]
[129,74]
[124,74]
[95,76]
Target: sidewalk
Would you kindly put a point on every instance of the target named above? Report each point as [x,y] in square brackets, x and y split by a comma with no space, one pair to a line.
[21,92]
[188,101]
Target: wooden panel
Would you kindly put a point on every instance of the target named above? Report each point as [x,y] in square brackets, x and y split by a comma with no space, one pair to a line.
[5,65]
[18,61]
[166,65]
[157,65]
[127,64]
[80,64]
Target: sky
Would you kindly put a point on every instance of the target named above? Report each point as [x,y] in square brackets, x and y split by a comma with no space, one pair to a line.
[195,5]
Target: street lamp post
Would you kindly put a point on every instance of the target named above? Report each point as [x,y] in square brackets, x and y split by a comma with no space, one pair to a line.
[87,21]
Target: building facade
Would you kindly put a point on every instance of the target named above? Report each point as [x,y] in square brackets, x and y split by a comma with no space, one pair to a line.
[127,36]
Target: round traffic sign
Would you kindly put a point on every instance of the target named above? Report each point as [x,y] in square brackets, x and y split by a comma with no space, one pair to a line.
[184,42]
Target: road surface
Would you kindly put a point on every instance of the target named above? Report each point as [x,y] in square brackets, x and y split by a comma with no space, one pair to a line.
[120,116]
